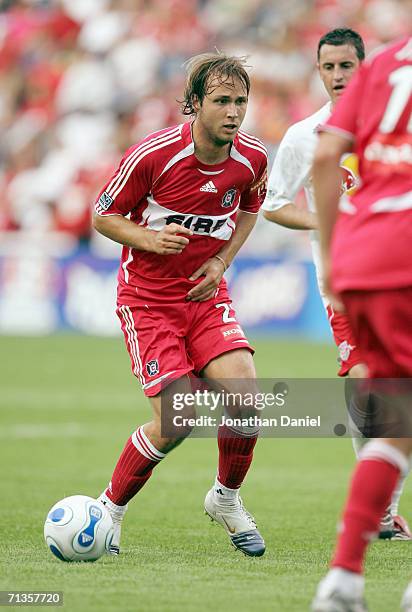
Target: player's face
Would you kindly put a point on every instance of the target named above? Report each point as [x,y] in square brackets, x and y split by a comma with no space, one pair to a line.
[222,111]
[336,67]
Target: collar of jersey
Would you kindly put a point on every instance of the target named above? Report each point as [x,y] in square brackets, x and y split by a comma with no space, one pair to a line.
[187,137]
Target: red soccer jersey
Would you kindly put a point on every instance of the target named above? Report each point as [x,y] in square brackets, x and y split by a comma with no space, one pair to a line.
[160,181]
[371,246]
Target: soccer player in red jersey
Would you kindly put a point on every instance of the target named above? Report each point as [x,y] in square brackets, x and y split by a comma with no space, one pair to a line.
[182,203]
[340,53]
[368,272]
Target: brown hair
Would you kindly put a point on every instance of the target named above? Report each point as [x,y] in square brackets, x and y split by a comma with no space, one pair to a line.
[202,68]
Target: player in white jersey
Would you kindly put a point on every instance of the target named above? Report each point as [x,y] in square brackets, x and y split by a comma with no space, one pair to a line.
[340,53]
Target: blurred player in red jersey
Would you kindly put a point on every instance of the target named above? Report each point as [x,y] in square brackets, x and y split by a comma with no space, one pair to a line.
[340,53]
[368,272]
[192,192]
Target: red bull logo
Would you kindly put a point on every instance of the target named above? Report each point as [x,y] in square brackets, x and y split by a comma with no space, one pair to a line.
[350,174]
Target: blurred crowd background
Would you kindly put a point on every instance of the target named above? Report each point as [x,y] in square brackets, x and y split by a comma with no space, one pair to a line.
[82,80]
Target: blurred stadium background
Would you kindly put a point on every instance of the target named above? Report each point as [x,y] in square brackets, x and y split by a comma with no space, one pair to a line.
[81,80]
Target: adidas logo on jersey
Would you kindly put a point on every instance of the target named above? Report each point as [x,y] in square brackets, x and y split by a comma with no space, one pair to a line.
[209,187]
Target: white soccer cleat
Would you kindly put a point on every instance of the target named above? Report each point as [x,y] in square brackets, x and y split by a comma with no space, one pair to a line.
[117,513]
[237,522]
[406,604]
[394,528]
[386,526]
[340,591]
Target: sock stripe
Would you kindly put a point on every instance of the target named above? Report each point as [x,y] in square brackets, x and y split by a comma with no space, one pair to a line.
[148,445]
[134,468]
[140,448]
[381,451]
[145,447]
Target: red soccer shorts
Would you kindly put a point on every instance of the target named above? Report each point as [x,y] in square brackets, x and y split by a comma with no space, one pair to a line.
[349,353]
[167,341]
[382,323]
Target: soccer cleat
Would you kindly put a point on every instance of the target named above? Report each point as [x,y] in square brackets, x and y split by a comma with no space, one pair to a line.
[394,528]
[406,604]
[386,527]
[335,602]
[401,529]
[340,591]
[237,522]
[117,513]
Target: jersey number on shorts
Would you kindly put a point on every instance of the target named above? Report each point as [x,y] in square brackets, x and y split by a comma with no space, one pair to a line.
[226,318]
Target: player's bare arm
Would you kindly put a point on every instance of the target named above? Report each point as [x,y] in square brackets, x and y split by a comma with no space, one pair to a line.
[214,268]
[292,217]
[171,240]
[327,187]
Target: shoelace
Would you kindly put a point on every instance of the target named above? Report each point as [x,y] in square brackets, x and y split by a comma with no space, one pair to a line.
[236,504]
[387,520]
[249,516]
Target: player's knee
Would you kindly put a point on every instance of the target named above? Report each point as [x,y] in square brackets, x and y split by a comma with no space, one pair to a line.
[243,399]
[245,366]
[235,365]
[358,371]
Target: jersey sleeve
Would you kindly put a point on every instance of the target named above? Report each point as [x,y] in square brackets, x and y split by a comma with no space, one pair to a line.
[127,186]
[344,119]
[290,170]
[253,197]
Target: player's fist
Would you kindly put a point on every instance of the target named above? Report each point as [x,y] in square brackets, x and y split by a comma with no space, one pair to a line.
[171,240]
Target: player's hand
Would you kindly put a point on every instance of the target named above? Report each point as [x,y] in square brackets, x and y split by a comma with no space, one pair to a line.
[212,270]
[171,240]
[333,298]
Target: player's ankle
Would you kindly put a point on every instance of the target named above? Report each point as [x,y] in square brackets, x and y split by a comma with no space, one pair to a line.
[223,493]
[111,504]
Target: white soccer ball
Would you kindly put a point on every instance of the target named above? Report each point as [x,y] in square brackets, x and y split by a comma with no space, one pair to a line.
[78,528]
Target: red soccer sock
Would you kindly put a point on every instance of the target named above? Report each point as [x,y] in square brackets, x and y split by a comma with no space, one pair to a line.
[373,483]
[235,456]
[133,468]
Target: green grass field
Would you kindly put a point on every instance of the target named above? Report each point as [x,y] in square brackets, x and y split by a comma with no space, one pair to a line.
[67,405]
